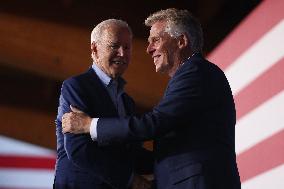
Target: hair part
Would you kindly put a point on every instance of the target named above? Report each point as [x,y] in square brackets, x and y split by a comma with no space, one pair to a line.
[180,22]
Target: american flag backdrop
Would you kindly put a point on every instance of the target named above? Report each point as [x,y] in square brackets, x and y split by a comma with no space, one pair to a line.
[24,165]
[252,57]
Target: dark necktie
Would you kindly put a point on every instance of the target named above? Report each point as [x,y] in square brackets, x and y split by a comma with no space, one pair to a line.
[117,98]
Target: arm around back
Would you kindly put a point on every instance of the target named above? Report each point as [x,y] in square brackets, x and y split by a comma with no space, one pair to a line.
[181,100]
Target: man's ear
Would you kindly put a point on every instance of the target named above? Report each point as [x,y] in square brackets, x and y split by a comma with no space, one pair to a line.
[93,47]
[183,41]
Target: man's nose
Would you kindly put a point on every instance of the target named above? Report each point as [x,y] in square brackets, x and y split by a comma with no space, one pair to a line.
[121,51]
[150,49]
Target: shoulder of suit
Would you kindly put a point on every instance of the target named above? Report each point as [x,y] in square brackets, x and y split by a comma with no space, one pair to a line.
[83,76]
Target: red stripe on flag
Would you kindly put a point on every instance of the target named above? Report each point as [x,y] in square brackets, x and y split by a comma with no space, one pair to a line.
[260,21]
[261,89]
[262,157]
[12,161]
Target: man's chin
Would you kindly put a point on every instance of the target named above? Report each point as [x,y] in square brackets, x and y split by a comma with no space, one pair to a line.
[160,70]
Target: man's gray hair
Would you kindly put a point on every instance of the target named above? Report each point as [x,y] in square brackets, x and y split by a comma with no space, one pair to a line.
[98,30]
[180,22]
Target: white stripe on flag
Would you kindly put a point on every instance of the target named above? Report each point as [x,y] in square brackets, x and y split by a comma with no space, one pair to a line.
[257,59]
[261,123]
[271,179]
[26,178]
[11,146]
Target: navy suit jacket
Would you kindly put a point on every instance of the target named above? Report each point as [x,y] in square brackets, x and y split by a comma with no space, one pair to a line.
[193,128]
[81,164]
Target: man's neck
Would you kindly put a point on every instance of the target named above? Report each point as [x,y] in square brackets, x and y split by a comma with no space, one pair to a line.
[179,63]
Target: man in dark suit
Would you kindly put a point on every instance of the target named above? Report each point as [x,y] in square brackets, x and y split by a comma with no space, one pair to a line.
[193,126]
[80,163]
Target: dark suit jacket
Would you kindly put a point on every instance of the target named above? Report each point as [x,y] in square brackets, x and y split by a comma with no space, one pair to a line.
[193,127]
[81,164]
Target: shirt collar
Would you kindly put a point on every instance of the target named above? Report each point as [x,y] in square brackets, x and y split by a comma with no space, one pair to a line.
[102,75]
[105,78]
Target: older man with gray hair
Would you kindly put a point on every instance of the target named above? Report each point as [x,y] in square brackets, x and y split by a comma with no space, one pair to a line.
[81,163]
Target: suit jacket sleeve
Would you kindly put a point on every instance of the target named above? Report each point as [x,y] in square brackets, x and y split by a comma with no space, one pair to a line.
[77,146]
[181,100]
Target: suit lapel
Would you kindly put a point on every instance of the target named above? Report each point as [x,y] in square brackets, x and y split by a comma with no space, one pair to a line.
[128,104]
[103,97]
[101,93]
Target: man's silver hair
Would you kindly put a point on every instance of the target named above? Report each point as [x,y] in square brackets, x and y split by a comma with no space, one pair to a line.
[179,22]
[99,29]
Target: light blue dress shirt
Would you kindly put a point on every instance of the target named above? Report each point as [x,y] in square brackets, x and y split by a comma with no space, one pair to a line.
[115,90]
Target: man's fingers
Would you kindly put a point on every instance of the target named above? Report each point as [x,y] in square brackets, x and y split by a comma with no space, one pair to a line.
[74,109]
[66,122]
[64,117]
[75,122]
[66,127]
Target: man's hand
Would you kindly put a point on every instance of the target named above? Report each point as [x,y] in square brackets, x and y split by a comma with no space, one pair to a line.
[76,122]
[139,182]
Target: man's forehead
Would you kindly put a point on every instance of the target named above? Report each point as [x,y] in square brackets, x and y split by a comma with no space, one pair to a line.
[156,34]
[157,27]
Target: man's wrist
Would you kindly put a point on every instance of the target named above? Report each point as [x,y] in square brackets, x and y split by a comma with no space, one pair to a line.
[88,125]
